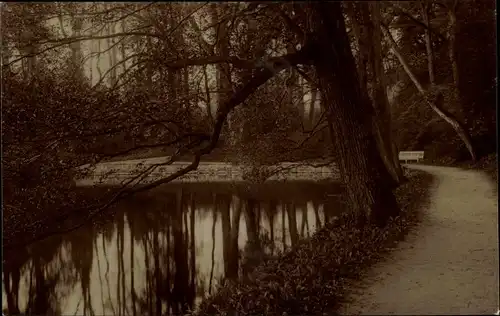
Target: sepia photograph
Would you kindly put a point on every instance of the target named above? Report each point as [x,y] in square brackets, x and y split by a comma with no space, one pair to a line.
[249,158]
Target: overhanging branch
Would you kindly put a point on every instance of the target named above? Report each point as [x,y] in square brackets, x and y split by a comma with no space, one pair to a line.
[261,77]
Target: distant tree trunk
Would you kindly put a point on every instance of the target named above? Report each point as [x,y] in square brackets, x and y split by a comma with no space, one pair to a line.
[98,59]
[452,36]
[312,106]
[445,115]
[350,115]
[291,83]
[424,8]
[76,50]
[210,113]
[148,82]
[112,57]
[5,54]
[224,86]
[28,48]
[122,48]
[31,62]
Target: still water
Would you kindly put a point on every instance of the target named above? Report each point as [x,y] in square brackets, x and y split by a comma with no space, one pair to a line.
[161,252]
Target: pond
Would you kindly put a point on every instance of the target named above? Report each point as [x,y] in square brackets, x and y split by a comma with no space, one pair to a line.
[161,252]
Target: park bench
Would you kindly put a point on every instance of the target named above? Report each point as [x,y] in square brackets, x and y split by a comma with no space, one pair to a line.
[411,156]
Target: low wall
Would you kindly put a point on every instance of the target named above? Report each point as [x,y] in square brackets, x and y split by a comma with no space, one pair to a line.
[116,173]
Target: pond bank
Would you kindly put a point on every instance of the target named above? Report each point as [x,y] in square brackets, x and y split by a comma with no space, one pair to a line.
[314,278]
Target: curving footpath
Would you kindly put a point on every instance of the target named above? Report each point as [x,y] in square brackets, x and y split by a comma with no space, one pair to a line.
[449,264]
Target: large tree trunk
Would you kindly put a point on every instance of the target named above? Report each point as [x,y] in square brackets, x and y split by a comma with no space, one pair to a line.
[365,20]
[351,115]
[445,115]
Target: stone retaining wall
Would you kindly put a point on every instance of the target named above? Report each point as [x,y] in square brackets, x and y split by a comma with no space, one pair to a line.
[116,173]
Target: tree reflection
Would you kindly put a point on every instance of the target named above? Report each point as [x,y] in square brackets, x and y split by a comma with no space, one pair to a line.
[12,278]
[82,256]
[304,226]
[230,233]
[253,247]
[182,299]
[153,270]
[44,277]
[315,206]
[214,216]
[292,222]
[270,211]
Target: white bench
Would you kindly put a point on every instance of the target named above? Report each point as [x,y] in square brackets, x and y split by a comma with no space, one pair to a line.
[411,156]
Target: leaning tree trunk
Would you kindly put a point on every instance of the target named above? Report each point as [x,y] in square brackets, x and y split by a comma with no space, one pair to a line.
[445,115]
[350,115]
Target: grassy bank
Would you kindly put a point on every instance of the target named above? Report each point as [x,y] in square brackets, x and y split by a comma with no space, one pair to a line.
[313,277]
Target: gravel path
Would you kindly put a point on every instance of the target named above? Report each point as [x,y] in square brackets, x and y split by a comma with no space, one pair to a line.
[449,264]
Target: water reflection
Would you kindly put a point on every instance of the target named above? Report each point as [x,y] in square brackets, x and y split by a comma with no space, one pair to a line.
[164,250]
